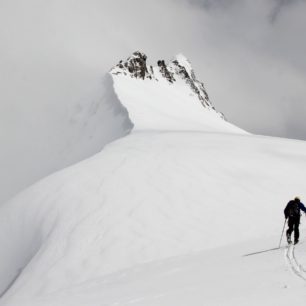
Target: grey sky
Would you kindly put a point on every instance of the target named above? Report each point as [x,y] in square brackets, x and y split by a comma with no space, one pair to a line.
[258,49]
[53,54]
[279,6]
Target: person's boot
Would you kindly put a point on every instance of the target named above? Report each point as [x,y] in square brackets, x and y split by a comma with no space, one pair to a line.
[296,238]
[289,238]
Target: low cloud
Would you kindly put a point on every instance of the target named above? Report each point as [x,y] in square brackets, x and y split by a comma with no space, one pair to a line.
[254,62]
[53,54]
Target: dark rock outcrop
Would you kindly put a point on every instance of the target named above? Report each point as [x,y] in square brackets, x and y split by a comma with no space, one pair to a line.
[169,76]
[196,86]
[135,66]
[179,68]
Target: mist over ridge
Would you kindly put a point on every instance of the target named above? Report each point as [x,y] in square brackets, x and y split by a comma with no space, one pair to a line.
[54,55]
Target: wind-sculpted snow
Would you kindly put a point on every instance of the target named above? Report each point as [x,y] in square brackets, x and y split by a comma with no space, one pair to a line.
[145,197]
[159,106]
[182,181]
[167,96]
[80,130]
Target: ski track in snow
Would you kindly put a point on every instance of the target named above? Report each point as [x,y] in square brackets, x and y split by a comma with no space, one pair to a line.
[293,263]
[147,197]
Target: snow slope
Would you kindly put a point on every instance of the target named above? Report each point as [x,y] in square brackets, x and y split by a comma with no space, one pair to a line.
[167,107]
[155,103]
[145,197]
[162,216]
[218,277]
[79,130]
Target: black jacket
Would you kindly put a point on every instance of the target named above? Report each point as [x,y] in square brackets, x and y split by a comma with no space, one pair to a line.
[294,203]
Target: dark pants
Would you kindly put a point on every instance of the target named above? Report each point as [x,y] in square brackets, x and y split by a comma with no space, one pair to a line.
[293,225]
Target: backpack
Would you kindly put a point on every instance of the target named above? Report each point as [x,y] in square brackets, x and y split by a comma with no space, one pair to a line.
[294,209]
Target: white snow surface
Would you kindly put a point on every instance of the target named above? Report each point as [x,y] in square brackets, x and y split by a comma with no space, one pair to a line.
[148,197]
[86,126]
[156,104]
[160,217]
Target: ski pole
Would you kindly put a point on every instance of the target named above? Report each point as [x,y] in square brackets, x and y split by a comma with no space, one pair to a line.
[280,242]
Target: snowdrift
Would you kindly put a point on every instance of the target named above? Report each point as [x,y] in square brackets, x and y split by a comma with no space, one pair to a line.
[145,197]
[76,131]
[161,101]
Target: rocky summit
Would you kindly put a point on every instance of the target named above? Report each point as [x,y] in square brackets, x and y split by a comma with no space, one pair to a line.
[178,69]
[135,66]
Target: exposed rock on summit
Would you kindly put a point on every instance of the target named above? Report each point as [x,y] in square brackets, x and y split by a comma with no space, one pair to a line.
[169,76]
[135,66]
[181,66]
[177,69]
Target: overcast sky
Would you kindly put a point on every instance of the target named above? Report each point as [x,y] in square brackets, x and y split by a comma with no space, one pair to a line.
[256,70]
[53,54]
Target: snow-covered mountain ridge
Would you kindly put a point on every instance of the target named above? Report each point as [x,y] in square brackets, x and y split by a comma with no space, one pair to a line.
[145,197]
[125,226]
[179,68]
[166,96]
